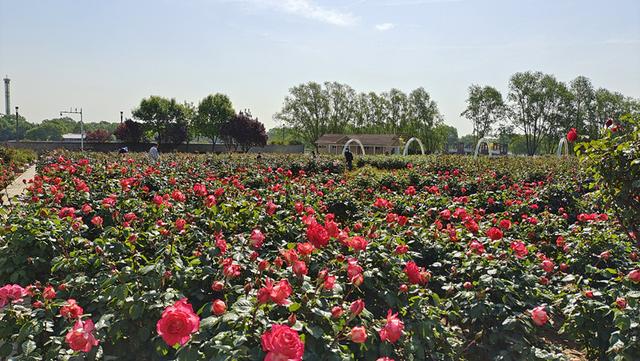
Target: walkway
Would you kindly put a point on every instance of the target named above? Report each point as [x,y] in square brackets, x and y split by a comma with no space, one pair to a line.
[18,186]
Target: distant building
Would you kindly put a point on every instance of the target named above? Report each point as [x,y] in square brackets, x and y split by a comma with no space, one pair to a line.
[372,143]
[461,148]
[73,137]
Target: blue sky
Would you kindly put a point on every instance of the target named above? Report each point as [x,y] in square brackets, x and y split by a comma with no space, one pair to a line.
[105,56]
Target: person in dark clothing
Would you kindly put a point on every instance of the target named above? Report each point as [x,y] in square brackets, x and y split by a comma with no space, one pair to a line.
[348,156]
[123,150]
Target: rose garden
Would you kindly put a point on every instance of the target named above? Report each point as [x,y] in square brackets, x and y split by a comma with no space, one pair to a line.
[287,257]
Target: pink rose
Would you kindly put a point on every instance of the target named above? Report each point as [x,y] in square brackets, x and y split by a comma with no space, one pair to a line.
[634,276]
[392,330]
[358,334]
[539,316]
[177,323]
[257,238]
[80,337]
[71,309]
[282,343]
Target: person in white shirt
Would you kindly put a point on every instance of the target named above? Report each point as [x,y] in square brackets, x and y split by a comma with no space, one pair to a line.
[153,153]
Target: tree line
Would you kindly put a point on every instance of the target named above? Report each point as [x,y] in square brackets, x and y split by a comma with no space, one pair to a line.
[159,119]
[538,110]
[313,109]
[543,109]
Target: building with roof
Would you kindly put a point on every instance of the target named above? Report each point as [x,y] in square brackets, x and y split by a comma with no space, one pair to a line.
[372,143]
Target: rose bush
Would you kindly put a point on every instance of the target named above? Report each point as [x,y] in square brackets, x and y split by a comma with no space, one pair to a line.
[405,258]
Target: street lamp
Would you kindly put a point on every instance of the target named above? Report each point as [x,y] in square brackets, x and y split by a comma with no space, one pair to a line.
[121,114]
[17,116]
[81,125]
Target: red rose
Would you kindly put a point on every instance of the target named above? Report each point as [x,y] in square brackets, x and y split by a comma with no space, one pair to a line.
[278,293]
[49,293]
[357,307]
[80,337]
[71,309]
[317,235]
[547,265]
[97,221]
[494,233]
[336,311]
[392,330]
[329,282]
[572,135]
[218,307]
[217,285]
[305,248]
[357,243]
[621,303]
[417,275]
[177,323]
[257,238]
[505,224]
[282,343]
[519,248]
[539,316]
[634,276]
[300,268]
[358,334]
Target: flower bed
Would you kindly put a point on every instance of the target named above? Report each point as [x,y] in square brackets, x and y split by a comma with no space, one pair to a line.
[12,163]
[405,258]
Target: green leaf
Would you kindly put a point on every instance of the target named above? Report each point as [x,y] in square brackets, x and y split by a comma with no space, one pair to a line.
[28,347]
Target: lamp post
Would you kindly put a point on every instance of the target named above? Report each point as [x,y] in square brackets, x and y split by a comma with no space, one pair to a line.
[121,114]
[81,125]
[17,117]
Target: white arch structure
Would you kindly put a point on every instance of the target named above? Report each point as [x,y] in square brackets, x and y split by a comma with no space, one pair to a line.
[562,144]
[406,146]
[346,145]
[485,141]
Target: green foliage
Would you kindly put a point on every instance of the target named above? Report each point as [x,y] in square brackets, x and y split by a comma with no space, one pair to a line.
[614,163]
[476,304]
[213,111]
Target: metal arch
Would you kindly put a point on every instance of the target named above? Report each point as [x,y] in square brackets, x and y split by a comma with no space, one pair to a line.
[346,145]
[562,144]
[406,146]
[485,141]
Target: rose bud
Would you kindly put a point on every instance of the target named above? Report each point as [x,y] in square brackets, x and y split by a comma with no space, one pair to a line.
[621,303]
[292,319]
[404,288]
[356,307]
[605,255]
[37,304]
[588,294]
[564,267]
[218,307]
[217,286]
[467,285]
[336,312]
[358,334]
[633,256]
[263,265]
[62,287]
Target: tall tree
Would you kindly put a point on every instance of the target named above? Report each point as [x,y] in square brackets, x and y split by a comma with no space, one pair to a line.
[583,106]
[129,132]
[306,109]
[164,116]
[244,131]
[530,106]
[342,99]
[213,111]
[485,108]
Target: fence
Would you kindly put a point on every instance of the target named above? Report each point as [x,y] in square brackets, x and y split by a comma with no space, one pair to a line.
[46,146]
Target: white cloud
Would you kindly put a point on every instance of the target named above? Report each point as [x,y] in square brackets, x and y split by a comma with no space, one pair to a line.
[308,9]
[385,26]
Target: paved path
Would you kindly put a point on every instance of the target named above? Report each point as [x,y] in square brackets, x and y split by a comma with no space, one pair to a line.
[18,186]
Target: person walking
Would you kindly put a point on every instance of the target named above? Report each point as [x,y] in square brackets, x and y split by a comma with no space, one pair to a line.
[348,156]
[153,153]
